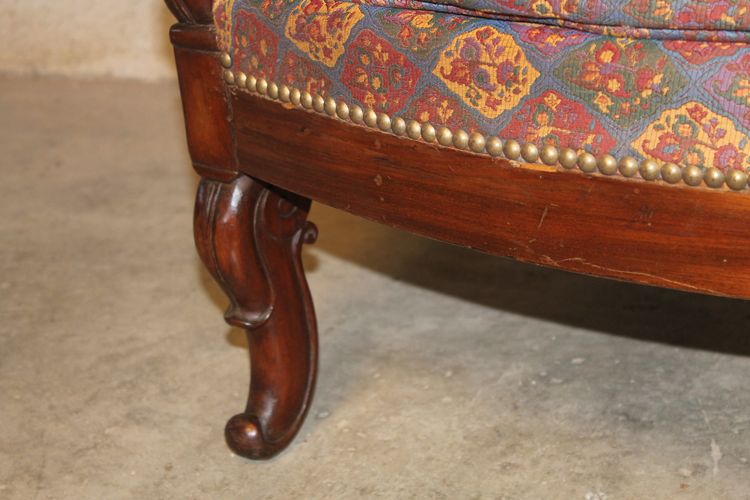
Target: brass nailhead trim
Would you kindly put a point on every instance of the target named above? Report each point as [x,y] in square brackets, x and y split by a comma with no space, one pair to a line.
[568,158]
[512,150]
[494,146]
[226,60]
[607,164]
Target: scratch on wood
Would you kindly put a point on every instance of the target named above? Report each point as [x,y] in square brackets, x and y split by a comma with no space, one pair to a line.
[544,214]
[652,277]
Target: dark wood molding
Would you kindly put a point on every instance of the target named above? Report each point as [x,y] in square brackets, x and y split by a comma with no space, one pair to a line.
[191,11]
[205,100]
[685,238]
[250,236]
[196,37]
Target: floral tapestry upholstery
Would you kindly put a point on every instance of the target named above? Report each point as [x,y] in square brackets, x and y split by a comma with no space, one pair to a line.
[667,80]
[726,20]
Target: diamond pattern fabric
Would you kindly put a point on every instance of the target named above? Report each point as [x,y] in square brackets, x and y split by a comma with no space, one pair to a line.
[667,80]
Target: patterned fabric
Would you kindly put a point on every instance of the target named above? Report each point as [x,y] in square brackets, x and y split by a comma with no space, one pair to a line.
[672,99]
[715,20]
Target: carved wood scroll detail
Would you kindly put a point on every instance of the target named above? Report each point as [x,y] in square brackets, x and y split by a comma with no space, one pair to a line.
[250,236]
[191,11]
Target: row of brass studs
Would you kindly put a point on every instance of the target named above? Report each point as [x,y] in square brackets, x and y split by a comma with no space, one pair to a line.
[568,158]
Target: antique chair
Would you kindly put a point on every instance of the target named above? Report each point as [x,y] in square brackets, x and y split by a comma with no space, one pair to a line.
[606,137]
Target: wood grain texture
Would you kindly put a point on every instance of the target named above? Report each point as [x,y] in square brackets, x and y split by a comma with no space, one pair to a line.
[204,100]
[685,238]
[250,236]
[191,11]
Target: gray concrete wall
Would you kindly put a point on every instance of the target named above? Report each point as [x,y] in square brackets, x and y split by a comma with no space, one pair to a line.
[85,38]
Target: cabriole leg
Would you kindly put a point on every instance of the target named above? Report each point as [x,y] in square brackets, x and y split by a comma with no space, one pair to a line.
[249,236]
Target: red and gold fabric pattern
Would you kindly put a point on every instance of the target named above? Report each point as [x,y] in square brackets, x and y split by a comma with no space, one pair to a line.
[255,45]
[673,99]
[552,119]
[320,28]
[378,75]
[434,107]
[694,135]
[624,79]
[304,74]
[417,31]
[487,70]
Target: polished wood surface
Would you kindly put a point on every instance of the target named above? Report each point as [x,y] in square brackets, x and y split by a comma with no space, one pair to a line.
[249,236]
[205,101]
[191,11]
[687,238]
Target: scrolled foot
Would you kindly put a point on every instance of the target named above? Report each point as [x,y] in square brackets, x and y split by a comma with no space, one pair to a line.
[246,438]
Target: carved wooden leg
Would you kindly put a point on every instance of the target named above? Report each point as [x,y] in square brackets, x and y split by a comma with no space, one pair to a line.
[250,236]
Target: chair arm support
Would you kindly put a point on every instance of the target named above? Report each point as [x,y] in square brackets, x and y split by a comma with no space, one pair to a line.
[191,11]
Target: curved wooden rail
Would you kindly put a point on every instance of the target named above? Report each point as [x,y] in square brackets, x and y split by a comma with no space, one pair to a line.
[686,238]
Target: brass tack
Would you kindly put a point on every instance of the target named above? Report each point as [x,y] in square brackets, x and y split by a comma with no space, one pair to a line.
[530,152]
[371,118]
[714,177]
[330,106]
[628,166]
[587,162]
[461,139]
[568,158]
[692,175]
[649,170]
[494,146]
[226,60]
[607,164]
[319,104]
[273,90]
[384,122]
[737,179]
[240,79]
[398,126]
[428,132]
[512,149]
[477,142]
[671,173]
[549,154]
[356,114]
[252,83]
[445,136]
[342,110]
[295,96]
[414,129]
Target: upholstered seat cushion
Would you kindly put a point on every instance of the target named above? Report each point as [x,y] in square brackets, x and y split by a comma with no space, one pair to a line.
[701,19]
[659,94]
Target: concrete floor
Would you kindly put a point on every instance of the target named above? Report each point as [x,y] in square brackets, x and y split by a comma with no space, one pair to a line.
[444,373]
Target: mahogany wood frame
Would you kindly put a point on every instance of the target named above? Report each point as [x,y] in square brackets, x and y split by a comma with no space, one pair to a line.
[261,163]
